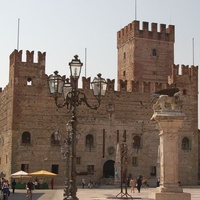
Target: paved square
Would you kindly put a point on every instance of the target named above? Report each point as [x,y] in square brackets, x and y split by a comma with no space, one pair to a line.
[93,194]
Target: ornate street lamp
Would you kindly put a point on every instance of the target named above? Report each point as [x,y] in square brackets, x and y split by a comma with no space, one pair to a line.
[59,86]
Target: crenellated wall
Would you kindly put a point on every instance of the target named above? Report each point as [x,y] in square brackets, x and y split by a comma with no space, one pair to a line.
[145,55]
[183,74]
[16,57]
[133,30]
[136,86]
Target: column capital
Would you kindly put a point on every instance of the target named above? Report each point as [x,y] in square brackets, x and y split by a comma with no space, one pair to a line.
[172,119]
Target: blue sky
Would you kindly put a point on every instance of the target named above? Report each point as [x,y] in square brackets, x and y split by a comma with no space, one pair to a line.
[63,28]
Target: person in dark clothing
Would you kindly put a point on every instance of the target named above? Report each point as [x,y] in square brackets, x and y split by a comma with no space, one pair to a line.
[13,186]
[29,188]
[139,183]
[158,182]
[52,183]
[128,182]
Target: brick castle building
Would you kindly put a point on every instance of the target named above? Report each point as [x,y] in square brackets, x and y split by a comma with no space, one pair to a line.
[29,117]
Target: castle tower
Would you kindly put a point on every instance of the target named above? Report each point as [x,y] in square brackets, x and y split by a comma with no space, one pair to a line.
[145,55]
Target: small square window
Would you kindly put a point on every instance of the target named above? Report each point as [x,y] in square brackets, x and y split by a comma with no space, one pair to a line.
[26,137]
[90,169]
[54,169]
[24,167]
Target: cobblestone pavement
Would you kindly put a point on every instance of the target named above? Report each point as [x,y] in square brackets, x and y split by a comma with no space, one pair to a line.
[93,194]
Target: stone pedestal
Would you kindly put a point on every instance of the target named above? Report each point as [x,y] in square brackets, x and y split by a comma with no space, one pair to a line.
[169,123]
[169,196]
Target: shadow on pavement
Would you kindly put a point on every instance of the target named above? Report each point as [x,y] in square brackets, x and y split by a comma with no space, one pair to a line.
[21,196]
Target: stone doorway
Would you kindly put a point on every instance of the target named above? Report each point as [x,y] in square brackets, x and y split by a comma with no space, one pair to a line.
[108,169]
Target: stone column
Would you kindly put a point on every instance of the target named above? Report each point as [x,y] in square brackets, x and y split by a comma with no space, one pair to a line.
[169,123]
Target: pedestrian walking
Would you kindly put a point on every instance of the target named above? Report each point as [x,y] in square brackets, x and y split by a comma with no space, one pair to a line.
[83,183]
[29,188]
[52,183]
[132,184]
[13,186]
[158,182]
[139,183]
[144,181]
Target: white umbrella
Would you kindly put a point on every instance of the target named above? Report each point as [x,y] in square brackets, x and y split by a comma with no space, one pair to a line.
[20,174]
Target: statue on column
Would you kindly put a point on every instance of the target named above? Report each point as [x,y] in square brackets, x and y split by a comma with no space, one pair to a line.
[168,99]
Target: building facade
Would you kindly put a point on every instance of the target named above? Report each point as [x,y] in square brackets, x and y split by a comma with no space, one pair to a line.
[29,117]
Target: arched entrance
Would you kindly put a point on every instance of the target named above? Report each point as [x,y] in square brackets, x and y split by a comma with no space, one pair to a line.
[108,169]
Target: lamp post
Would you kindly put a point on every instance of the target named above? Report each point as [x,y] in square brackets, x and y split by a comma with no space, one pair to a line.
[65,151]
[72,99]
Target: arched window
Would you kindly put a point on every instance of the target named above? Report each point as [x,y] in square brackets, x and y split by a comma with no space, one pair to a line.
[154,52]
[89,140]
[185,143]
[136,142]
[55,139]
[26,137]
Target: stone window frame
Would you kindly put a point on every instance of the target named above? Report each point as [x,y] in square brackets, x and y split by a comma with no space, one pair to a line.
[54,141]
[186,143]
[137,142]
[78,160]
[25,167]
[154,52]
[135,161]
[90,169]
[153,170]
[55,168]
[26,137]
[89,140]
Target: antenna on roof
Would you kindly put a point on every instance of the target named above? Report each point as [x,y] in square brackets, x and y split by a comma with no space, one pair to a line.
[193,51]
[18,34]
[85,60]
[135,9]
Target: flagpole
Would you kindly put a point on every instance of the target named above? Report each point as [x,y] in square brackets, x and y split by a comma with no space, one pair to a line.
[193,50]
[18,34]
[135,9]
[85,61]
